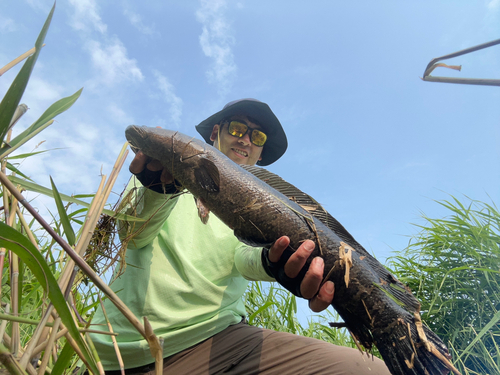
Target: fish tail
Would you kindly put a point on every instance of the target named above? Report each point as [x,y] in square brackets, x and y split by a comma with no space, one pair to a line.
[411,348]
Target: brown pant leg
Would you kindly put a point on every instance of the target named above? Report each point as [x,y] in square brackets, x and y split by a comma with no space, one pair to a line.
[245,350]
[285,353]
[220,354]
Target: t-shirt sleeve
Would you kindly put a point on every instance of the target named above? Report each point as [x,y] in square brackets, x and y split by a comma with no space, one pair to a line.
[146,204]
[248,261]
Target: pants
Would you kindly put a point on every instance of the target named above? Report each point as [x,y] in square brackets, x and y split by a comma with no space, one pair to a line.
[246,350]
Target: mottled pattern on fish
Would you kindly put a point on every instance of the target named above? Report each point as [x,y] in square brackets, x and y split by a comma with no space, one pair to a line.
[377,308]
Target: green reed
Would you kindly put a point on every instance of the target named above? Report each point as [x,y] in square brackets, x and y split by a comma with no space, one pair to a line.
[453,267]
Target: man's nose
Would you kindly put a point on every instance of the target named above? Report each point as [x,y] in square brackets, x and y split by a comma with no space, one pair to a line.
[245,139]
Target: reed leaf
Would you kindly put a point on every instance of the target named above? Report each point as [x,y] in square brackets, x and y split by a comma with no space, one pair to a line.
[63,360]
[63,216]
[43,122]
[16,242]
[48,192]
[24,156]
[10,167]
[453,267]
[486,329]
[275,308]
[11,100]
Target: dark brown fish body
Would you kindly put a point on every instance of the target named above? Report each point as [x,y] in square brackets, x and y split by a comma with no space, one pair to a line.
[375,306]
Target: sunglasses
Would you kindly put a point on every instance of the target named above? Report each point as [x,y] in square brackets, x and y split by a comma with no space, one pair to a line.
[239,129]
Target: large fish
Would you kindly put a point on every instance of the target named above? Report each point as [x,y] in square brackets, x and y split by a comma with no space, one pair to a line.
[377,308]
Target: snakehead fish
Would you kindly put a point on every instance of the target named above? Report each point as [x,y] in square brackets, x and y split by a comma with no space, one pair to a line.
[377,308]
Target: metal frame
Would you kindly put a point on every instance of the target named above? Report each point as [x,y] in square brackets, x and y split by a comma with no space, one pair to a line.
[466,81]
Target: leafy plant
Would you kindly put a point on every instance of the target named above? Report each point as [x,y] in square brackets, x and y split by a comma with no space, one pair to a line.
[39,267]
[453,267]
[275,308]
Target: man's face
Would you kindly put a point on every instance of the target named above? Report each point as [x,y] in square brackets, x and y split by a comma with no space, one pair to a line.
[240,150]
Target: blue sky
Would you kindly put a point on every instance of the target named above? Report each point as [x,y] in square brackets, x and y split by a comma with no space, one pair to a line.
[367,138]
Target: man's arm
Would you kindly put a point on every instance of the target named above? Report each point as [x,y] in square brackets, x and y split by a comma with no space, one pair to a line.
[144,203]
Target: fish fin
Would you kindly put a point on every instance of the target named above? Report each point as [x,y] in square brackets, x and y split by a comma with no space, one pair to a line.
[302,199]
[207,175]
[203,211]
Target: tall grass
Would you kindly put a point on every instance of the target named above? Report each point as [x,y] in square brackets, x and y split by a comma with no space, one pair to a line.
[453,267]
[275,308]
[44,311]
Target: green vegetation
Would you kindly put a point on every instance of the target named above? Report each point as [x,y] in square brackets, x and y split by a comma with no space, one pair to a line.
[40,270]
[453,268]
[275,308]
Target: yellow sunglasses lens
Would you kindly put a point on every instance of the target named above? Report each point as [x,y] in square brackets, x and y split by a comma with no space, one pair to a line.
[258,138]
[238,129]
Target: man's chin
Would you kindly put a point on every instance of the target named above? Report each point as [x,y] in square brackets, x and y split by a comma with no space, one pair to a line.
[241,161]
[238,159]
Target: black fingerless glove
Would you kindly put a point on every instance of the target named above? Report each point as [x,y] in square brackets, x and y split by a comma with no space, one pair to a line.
[277,270]
[151,180]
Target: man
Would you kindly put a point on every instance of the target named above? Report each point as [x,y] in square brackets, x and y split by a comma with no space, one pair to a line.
[188,277]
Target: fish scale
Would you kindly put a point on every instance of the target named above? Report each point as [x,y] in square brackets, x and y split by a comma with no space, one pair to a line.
[377,308]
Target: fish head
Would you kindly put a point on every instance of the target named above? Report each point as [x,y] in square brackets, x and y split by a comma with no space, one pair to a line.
[142,137]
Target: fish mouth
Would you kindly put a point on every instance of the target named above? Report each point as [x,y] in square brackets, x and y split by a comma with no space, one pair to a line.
[135,136]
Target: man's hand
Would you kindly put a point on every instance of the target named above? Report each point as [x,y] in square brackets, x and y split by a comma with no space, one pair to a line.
[319,299]
[151,174]
[142,161]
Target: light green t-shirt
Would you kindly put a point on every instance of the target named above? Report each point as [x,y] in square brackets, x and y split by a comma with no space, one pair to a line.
[186,277]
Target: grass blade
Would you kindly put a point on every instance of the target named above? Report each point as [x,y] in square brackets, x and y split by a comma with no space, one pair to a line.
[63,360]
[63,216]
[46,191]
[13,96]
[16,242]
[10,167]
[44,121]
[486,328]
[23,156]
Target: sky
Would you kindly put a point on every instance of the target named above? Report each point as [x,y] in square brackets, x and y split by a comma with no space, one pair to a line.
[368,139]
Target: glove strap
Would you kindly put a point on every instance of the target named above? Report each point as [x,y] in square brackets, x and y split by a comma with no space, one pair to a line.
[277,270]
[151,180]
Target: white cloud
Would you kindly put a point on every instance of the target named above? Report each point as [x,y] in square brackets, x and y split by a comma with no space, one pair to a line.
[216,41]
[41,89]
[79,151]
[86,16]
[136,21]
[112,61]
[491,17]
[43,6]
[119,115]
[168,91]
[7,25]
[39,95]
[108,54]
[494,5]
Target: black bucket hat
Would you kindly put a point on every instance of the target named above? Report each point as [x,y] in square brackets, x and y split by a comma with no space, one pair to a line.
[276,143]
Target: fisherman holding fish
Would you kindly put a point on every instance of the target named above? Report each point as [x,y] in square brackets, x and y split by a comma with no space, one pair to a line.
[187,275]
